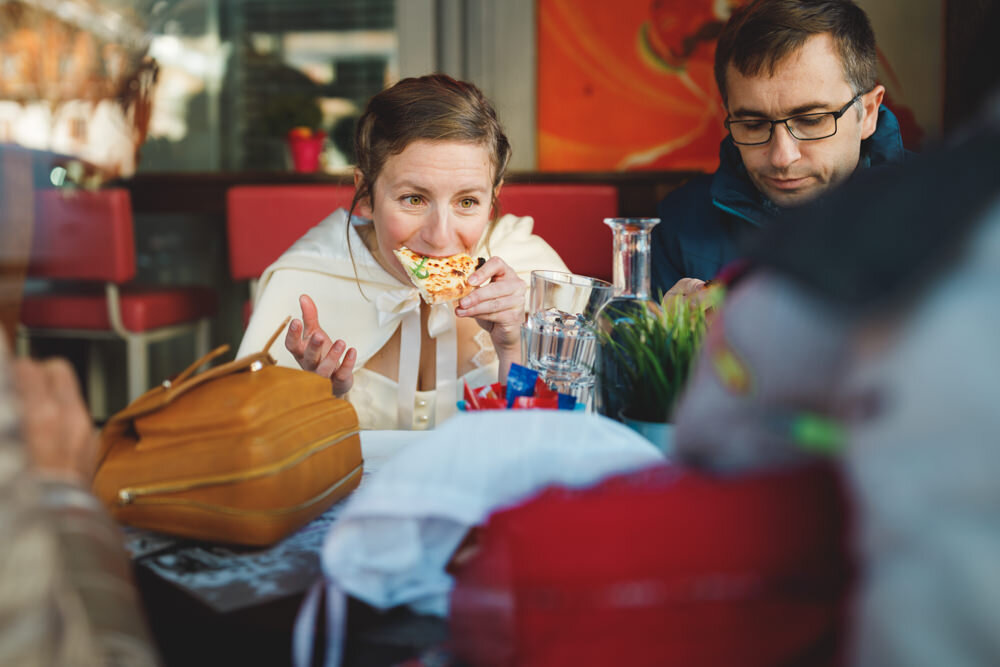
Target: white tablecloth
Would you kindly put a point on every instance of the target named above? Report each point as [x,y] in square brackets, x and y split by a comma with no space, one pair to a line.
[378,446]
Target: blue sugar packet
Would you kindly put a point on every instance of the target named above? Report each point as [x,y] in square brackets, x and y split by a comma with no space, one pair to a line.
[567,402]
[520,382]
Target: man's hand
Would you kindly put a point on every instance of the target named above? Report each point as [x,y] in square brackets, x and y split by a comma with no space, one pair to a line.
[314,351]
[59,435]
[685,287]
[498,308]
[695,291]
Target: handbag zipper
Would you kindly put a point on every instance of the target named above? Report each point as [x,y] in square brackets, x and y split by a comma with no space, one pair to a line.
[130,495]
[222,509]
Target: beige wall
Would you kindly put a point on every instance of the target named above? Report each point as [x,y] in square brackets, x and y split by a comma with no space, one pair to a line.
[910,33]
[488,42]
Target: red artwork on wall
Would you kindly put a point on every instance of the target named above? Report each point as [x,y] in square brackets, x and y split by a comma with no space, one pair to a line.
[628,84]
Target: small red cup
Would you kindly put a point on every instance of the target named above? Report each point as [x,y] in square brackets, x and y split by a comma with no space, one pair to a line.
[305,145]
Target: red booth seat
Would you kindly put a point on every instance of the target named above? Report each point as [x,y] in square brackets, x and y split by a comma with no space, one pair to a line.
[264,220]
[142,309]
[570,217]
[85,243]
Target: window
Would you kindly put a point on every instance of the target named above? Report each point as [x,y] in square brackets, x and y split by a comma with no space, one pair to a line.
[236,75]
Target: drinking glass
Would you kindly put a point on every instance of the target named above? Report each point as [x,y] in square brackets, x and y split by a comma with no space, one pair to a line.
[558,339]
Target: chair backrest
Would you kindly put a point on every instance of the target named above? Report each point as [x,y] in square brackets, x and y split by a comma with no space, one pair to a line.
[570,217]
[83,236]
[262,221]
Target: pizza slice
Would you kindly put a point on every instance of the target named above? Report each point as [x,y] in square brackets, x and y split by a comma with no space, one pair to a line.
[439,279]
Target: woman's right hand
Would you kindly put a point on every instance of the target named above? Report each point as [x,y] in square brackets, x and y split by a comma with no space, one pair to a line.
[314,351]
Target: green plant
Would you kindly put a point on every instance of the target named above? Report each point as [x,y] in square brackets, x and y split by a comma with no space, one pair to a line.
[651,348]
[281,113]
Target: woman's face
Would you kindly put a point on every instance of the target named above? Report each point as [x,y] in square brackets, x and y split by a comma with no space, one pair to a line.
[434,198]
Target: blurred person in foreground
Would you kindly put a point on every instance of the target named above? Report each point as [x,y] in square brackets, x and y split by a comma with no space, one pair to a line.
[798,82]
[66,594]
[431,158]
[80,87]
[868,330]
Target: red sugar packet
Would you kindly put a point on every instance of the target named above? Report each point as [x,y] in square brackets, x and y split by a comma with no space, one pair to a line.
[535,402]
[471,400]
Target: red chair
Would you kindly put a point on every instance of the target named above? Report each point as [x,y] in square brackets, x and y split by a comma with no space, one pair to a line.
[570,217]
[262,221]
[88,238]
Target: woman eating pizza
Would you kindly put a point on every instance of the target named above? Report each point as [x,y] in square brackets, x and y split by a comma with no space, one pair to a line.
[419,286]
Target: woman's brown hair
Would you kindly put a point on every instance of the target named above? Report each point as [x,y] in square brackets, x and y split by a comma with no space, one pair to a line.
[435,108]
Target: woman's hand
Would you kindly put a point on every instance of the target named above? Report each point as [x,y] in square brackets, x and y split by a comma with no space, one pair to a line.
[498,308]
[315,352]
[59,435]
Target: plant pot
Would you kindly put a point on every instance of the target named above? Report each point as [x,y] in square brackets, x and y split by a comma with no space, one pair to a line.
[305,150]
[660,434]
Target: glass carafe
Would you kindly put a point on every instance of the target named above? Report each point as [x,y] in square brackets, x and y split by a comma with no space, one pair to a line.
[630,271]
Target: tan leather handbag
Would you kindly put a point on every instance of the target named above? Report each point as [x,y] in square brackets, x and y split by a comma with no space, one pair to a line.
[245,452]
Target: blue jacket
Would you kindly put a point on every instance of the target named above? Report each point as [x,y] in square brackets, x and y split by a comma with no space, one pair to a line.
[703,222]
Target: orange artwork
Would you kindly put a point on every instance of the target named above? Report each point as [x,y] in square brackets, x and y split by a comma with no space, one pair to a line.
[628,85]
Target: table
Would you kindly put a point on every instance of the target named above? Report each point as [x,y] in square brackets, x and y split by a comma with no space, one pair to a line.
[211,604]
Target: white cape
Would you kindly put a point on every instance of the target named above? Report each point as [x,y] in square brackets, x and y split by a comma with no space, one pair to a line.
[363,304]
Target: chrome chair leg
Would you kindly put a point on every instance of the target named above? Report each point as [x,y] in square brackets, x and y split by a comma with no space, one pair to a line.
[138,366]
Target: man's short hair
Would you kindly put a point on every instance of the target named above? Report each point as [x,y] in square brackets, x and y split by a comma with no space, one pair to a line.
[759,36]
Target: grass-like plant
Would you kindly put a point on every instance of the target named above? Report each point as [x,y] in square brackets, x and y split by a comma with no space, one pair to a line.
[653,348]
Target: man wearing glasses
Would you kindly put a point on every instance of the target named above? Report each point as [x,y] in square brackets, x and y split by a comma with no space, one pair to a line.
[798,82]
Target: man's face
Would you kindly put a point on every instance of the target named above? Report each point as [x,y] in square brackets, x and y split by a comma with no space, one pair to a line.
[789,171]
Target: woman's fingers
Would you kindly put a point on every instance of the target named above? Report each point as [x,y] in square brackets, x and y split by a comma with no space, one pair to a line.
[343,378]
[504,295]
[330,361]
[294,342]
[310,314]
[493,300]
[317,347]
[306,340]
[498,306]
[494,268]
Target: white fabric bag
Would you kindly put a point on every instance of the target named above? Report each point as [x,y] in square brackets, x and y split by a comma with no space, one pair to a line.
[397,533]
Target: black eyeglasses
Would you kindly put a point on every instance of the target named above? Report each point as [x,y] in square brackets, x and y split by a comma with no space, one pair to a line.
[804,127]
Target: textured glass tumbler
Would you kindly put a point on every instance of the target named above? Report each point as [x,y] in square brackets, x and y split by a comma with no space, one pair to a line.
[558,338]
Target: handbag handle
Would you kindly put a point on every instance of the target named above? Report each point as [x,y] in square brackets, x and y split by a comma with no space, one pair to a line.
[183,375]
[222,349]
[160,396]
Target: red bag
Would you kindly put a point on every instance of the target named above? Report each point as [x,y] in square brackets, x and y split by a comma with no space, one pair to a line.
[661,567]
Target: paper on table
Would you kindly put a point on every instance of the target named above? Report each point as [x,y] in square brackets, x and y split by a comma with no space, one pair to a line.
[227,578]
